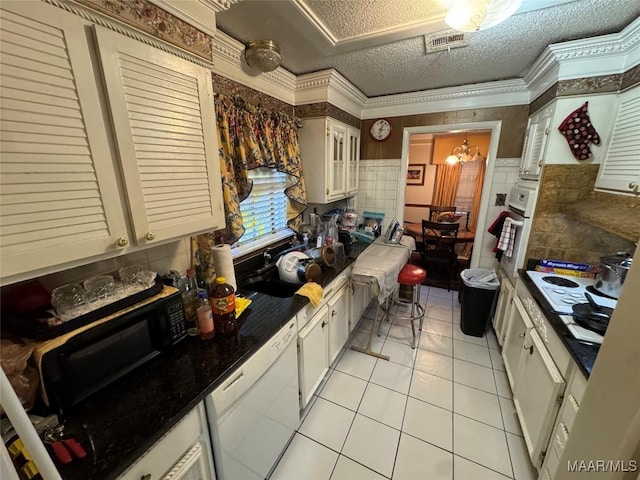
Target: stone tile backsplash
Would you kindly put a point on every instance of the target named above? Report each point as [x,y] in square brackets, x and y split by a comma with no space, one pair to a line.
[558,236]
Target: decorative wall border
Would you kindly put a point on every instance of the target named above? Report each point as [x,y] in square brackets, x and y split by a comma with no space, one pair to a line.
[118,26]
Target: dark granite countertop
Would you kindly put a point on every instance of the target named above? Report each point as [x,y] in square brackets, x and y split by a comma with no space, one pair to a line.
[583,354]
[126,418]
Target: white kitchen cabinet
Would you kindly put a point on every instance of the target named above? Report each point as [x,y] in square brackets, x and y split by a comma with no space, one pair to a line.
[503,308]
[329,150]
[576,385]
[517,326]
[313,354]
[537,394]
[535,142]
[183,453]
[60,199]
[164,123]
[620,169]
[338,322]
[353,159]
[67,195]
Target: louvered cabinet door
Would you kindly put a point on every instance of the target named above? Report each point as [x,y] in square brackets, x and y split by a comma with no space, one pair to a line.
[59,199]
[163,117]
[620,170]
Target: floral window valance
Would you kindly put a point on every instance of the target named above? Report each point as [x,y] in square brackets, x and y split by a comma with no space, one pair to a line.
[250,137]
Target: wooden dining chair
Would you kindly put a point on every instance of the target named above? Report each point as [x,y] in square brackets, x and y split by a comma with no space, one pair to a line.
[438,249]
[435,211]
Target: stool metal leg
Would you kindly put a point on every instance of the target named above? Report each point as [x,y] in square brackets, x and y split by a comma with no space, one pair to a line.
[367,349]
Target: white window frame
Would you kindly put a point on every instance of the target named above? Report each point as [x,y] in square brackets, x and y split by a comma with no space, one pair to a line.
[242,248]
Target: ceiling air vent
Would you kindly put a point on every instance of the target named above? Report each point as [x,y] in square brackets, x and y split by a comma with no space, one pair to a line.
[445,40]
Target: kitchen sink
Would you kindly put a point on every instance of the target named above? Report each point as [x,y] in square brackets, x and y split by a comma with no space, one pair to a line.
[273,287]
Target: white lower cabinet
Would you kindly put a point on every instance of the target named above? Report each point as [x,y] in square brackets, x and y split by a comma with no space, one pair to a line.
[313,354]
[338,322]
[537,394]
[321,338]
[517,326]
[503,308]
[536,369]
[184,453]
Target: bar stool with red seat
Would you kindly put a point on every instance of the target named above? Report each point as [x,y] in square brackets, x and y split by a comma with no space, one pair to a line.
[410,278]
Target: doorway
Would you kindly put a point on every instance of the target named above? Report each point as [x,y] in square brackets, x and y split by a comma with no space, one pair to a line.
[413,174]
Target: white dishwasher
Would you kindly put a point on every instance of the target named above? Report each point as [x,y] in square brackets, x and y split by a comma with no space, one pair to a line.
[254,413]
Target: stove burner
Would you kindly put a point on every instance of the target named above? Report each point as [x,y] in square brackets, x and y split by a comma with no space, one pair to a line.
[593,291]
[561,282]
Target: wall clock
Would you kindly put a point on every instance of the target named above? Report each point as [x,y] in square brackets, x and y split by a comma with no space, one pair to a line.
[380,130]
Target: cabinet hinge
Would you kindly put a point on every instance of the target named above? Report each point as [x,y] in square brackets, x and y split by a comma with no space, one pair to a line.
[541,457]
[546,131]
[560,399]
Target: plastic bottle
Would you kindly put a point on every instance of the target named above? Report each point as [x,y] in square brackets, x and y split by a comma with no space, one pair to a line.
[205,316]
[190,302]
[223,305]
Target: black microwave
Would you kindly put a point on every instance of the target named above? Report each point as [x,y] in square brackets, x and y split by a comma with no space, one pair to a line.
[80,363]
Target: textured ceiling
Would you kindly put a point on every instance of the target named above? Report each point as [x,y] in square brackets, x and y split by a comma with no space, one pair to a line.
[378,68]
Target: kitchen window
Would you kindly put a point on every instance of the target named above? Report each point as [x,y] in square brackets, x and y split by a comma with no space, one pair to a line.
[264,211]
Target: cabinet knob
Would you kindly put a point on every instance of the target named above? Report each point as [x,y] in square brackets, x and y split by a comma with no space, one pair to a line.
[521,335]
[122,242]
[149,236]
[333,313]
[146,477]
[528,347]
[324,324]
[632,185]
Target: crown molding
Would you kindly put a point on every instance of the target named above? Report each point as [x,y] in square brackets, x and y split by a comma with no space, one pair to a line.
[105,21]
[228,61]
[590,57]
[480,95]
[329,86]
[201,13]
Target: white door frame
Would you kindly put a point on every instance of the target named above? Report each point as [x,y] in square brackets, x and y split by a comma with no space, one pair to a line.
[495,127]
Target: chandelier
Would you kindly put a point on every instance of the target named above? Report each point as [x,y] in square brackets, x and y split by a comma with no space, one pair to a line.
[474,15]
[464,153]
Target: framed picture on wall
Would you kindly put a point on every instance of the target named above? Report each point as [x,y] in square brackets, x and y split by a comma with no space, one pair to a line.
[415,173]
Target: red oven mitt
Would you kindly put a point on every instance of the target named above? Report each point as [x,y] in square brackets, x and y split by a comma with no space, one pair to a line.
[579,132]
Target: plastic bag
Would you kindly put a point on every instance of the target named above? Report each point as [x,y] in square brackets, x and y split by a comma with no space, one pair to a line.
[14,357]
[480,278]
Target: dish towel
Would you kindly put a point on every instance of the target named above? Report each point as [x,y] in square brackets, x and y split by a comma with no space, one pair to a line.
[312,291]
[507,237]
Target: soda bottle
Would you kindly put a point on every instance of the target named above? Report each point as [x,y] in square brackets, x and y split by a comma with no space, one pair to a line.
[205,316]
[223,306]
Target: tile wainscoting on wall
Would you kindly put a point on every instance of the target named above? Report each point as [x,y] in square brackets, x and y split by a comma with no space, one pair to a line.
[378,188]
[504,177]
[378,192]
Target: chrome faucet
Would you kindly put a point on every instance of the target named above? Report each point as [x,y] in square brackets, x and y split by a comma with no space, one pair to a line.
[267,257]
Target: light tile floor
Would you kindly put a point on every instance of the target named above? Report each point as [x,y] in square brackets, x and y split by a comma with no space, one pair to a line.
[441,411]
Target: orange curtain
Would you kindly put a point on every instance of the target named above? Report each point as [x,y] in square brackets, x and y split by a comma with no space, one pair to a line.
[477,194]
[447,178]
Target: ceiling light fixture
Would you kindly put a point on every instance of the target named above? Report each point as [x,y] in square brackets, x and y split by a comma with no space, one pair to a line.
[262,55]
[464,153]
[474,15]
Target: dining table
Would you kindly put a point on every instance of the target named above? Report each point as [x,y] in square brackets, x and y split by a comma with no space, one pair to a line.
[415,230]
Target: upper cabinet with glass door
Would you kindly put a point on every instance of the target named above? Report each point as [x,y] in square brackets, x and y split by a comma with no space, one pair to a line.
[330,152]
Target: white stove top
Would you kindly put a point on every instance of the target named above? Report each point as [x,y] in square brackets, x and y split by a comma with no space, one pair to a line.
[563,293]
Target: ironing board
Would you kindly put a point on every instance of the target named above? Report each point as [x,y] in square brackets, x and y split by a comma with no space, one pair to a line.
[378,266]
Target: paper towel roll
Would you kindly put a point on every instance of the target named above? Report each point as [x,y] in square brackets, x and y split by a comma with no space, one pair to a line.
[223,264]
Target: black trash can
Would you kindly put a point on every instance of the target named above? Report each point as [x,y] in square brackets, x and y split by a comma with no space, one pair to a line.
[478,297]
